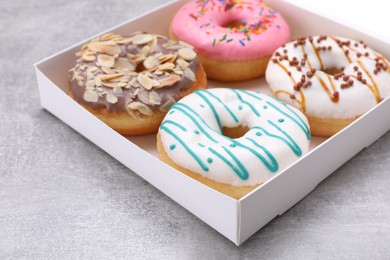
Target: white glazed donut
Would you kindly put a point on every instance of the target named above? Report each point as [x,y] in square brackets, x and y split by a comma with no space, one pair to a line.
[265,137]
[332,80]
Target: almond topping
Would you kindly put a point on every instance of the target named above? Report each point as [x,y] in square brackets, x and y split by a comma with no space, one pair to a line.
[112,99]
[151,62]
[169,81]
[105,47]
[142,108]
[88,57]
[189,74]
[124,63]
[145,81]
[90,96]
[140,39]
[106,60]
[166,66]
[187,54]
[110,76]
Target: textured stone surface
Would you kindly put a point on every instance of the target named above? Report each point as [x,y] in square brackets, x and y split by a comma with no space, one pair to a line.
[61,197]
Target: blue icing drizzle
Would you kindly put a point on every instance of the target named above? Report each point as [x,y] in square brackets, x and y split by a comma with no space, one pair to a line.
[175,124]
[245,102]
[273,165]
[224,105]
[240,170]
[296,118]
[183,108]
[192,153]
[216,115]
[289,141]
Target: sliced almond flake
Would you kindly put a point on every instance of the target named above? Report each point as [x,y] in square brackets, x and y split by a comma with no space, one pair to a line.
[140,39]
[112,99]
[83,66]
[166,66]
[90,83]
[169,81]
[154,98]
[186,44]
[166,74]
[122,84]
[84,47]
[75,74]
[108,70]
[90,75]
[110,76]
[149,74]
[168,43]
[124,41]
[80,83]
[116,39]
[110,84]
[174,47]
[156,83]
[152,44]
[90,96]
[105,47]
[145,81]
[187,53]
[117,91]
[136,58]
[87,57]
[107,36]
[165,107]
[143,96]
[93,69]
[158,72]
[163,58]
[142,108]
[79,54]
[124,63]
[133,82]
[182,63]
[98,81]
[79,77]
[106,60]
[188,73]
[178,71]
[151,62]
[145,50]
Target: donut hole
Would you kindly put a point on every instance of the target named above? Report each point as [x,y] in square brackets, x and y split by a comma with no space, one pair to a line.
[235,132]
[233,23]
[332,71]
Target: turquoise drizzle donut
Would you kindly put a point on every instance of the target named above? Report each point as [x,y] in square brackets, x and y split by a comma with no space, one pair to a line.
[193,135]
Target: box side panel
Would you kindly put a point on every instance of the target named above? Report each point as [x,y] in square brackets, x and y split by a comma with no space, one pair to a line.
[217,210]
[286,189]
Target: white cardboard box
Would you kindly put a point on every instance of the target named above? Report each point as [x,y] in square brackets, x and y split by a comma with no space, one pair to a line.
[236,220]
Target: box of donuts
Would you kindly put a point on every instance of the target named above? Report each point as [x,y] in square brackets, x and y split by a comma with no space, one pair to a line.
[227,107]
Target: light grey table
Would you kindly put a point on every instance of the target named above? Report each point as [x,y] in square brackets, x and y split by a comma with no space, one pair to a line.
[61,197]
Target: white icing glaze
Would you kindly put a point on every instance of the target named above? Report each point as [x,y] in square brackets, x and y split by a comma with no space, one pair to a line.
[329,96]
[191,135]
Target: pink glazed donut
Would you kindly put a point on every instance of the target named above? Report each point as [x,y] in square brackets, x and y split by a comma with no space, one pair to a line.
[234,39]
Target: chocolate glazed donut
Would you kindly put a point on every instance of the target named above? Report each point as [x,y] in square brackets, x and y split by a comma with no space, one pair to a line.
[130,82]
